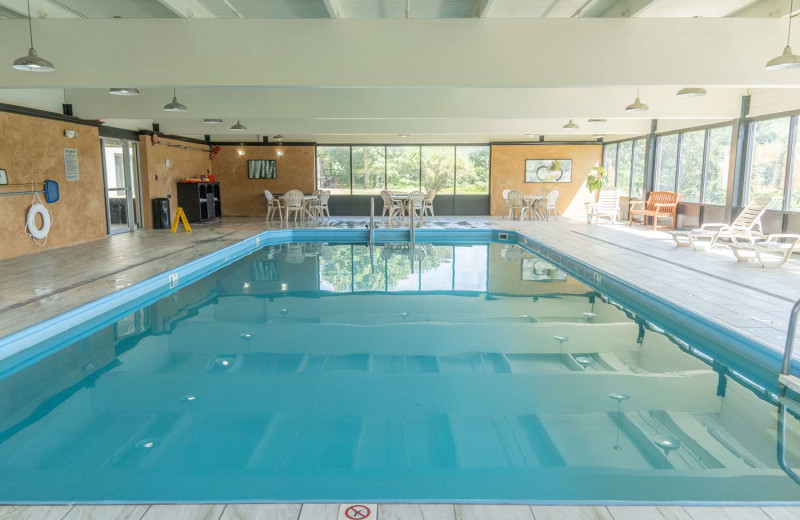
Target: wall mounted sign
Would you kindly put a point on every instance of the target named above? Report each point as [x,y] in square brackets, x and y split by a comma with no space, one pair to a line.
[548,170]
[262,169]
[71,164]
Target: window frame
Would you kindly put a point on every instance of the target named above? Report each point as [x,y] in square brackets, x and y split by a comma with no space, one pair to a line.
[794,120]
[633,140]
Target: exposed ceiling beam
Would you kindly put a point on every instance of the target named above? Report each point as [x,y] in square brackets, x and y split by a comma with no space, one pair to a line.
[628,8]
[767,9]
[334,8]
[40,9]
[172,52]
[187,8]
[483,7]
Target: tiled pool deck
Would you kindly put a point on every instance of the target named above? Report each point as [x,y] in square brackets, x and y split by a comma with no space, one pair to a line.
[744,297]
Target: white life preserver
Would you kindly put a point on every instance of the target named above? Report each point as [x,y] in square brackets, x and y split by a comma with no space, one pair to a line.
[36,232]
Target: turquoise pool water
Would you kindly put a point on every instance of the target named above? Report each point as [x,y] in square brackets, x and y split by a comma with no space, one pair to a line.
[327,372]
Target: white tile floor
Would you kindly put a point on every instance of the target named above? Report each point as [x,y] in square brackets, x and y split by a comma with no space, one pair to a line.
[744,297]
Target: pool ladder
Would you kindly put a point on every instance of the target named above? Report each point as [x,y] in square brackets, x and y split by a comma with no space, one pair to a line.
[788,381]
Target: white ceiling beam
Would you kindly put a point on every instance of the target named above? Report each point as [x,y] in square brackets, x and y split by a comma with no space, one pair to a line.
[767,9]
[40,9]
[628,8]
[316,53]
[187,8]
[334,8]
[483,7]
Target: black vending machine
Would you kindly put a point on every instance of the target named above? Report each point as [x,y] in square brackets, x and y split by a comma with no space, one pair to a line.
[161,214]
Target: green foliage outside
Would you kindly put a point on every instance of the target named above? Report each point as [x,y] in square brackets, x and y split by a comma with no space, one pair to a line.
[768,160]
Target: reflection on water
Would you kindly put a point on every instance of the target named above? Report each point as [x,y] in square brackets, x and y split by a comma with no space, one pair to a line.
[336,372]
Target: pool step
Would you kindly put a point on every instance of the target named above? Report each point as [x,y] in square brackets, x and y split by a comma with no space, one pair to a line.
[790,382]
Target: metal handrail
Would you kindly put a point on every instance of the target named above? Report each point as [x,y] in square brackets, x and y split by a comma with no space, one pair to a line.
[782,444]
[787,352]
[372,220]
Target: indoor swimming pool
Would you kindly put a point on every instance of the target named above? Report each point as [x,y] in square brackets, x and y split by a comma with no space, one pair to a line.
[441,371]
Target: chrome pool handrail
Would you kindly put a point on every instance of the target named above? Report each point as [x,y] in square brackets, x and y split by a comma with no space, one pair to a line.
[781,437]
[371,221]
[786,368]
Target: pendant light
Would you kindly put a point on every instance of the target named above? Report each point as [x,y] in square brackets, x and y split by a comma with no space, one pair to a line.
[637,106]
[787,60]
[570,126]
[238,127]
[32,62]
[124,91]
[279,137]
[692,92]
[175,106]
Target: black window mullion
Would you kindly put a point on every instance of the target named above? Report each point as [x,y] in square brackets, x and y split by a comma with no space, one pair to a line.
[706,152]
[787,187]
[633,154]
[678,163]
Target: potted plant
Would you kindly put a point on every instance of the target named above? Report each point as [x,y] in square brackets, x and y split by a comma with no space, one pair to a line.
[596,180]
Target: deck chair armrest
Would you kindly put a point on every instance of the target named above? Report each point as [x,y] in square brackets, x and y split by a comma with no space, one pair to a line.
[777,237]
[713,227]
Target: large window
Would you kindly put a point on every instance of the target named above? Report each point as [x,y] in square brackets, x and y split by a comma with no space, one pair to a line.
[333,169]
[696,164]
[690,166]
[769,147]
[366,170]
[718,165]
[667,162]
[625,163]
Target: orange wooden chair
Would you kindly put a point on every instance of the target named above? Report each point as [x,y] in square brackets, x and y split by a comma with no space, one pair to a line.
[660,204]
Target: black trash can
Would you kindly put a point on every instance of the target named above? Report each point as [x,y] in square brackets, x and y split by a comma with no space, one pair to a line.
[161,214]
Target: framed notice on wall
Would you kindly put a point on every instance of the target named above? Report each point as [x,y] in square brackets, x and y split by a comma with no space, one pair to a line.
[71,164]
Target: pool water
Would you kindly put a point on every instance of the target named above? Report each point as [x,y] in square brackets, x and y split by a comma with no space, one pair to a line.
[329,372]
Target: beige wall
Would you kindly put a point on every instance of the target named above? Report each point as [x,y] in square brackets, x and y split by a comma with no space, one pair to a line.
[32,150]
[508,173]
[245,197]
[158,180]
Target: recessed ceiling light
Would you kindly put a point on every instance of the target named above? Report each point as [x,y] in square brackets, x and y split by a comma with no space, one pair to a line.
[598,120]
[531,135]
[692,92]
[124,91]
[212,121]
[403,135]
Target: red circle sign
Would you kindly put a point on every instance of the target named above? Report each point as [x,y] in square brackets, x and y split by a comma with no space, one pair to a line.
[357,512]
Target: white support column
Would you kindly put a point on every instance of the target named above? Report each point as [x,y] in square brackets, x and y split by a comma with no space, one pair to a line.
[334,8]
[187,8]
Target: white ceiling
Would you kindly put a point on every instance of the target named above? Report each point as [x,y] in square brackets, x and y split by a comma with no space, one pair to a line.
[283,9]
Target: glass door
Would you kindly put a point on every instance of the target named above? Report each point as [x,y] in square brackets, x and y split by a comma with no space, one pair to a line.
[123,201]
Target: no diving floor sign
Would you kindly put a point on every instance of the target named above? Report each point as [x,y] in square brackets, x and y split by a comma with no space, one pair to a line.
[358,512]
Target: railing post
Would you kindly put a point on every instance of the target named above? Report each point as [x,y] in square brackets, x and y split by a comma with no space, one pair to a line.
[371,220]
[786,369]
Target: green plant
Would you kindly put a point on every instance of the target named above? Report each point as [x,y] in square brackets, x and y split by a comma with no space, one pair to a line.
[596,179]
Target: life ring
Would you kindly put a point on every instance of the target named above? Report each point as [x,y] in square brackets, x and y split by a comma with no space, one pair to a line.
[36,232]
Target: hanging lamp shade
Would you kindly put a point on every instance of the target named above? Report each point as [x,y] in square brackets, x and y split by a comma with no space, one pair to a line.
[788,59]
[692,92]
[124,91]
[175,106]
[238,127]
[32,62]
[637,106]
[570,126]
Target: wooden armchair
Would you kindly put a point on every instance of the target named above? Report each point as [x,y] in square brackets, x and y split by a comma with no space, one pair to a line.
[660,204]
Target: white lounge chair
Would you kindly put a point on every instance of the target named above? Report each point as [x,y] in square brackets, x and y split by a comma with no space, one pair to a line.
[747,225]
[607,206]
[774,251]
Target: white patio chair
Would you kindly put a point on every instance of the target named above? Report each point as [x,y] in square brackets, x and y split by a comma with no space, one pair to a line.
[774,251]
[319,207]
[293,202]
[607,206]
[550,205]
[272,205]
[506,204]
[416,202]
[746,225]
[294,253]
[516,203]
[427,204]
[391,207]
